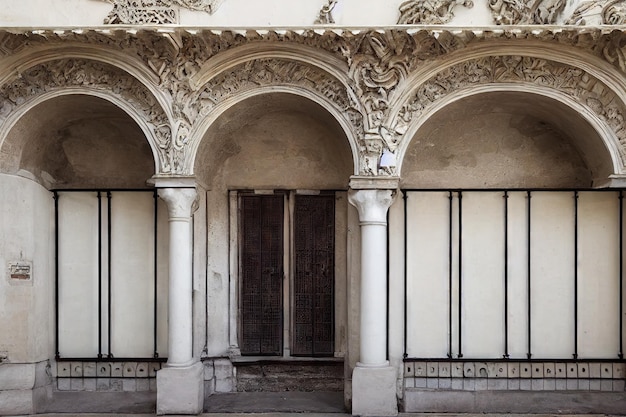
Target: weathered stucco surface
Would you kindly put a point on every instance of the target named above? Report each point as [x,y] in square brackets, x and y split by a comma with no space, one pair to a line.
[503,140]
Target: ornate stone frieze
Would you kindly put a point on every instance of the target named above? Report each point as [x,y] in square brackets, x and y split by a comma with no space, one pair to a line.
[576,83]
[325,15]
[590,12]
[269,72]
[60,74]
[430,12]
[136,12]
[378,68]
[512,12]
[614,13]
[378,65]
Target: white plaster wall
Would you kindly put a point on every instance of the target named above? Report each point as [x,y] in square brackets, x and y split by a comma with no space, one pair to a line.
[218,276]
[200,278]
[132,275]
[78,272]
[483,275]
[235,13]
[427,267]
[552,275]
[598,275]
[26,319]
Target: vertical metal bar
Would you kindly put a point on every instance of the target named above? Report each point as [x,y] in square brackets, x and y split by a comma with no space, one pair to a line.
[405,198]
[460,354]
[621,275]
[450,273]
[528,283]
[156,274]
[110,354]
[56,273]
[387,273]
[99,275]
[575,275]
[506,275]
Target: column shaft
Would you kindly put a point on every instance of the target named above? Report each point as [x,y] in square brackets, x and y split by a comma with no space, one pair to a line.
[180,336]
[373,206]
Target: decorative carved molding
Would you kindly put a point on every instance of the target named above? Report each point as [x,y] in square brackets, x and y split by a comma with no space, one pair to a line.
[59,74]
[575,82]
[270,72]
[430,12]
[378,65]
[614,13]
[325,16]
[513,12]
[591,12]
[137,12]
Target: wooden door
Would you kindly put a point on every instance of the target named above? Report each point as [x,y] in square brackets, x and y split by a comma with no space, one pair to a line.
[314,276]
[262,254]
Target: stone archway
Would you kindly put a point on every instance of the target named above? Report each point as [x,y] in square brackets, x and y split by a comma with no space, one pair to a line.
[273,75]
[86,77]
[78,141]
[573,87]
[503,138]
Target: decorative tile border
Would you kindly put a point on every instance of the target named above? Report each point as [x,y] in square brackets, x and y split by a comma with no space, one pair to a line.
[106,376]
[529,376]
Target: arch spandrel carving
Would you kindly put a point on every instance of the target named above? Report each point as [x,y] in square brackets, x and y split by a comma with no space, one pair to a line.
[365,74]
[64,74]
[273,74]
[573,82]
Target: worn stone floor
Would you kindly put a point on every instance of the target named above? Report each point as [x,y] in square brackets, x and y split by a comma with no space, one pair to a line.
[266,404]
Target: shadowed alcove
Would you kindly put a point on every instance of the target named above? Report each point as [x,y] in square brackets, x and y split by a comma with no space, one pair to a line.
[505,139]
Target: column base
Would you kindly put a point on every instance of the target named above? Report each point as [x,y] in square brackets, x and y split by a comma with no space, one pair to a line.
[374,392]
[180,390]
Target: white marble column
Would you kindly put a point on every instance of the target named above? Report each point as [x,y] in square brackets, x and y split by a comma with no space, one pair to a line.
[180,388]
[180,341]
[372,206]
[373,379]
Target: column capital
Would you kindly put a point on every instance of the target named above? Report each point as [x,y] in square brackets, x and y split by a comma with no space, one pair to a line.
[180,201]
[360,182]
[372,204]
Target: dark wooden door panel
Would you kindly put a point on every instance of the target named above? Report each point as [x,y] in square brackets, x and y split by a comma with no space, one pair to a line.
[314,276]
[261,274]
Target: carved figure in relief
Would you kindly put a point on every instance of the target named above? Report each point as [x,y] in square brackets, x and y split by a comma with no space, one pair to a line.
[430,12]
[512,12]
[548,10]
[325,16]
[154,11]
[614,13]
[613,51]
[597,12]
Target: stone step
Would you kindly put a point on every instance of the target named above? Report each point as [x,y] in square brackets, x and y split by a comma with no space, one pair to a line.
[276,376]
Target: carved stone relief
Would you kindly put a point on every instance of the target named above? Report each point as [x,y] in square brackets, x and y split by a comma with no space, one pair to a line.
[430,12]
[512,12]
[576,83]
[154,11]
[270,72]
[56,75]
[378,63]
[326,13]
[591,12]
